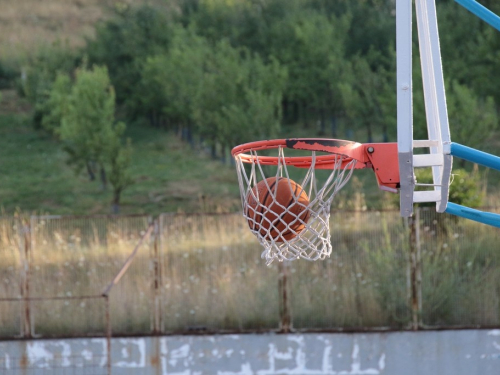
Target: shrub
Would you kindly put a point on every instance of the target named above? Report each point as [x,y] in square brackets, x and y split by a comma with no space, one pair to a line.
[465,187]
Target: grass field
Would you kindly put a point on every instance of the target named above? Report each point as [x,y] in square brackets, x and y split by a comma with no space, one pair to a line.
[212,275]
[169,175]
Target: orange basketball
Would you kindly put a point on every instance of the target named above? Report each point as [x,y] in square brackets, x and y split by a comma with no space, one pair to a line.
[277,209]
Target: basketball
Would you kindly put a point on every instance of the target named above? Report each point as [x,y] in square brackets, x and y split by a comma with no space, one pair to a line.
[277,209]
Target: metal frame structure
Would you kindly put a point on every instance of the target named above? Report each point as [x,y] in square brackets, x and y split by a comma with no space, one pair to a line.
[441,149]
[435,105]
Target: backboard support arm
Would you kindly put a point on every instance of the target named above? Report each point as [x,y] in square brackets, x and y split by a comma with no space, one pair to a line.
[481,11]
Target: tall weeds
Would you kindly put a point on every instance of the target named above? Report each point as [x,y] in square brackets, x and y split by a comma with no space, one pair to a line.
[211,276]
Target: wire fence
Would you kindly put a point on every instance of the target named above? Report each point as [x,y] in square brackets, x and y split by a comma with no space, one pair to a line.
[185,273]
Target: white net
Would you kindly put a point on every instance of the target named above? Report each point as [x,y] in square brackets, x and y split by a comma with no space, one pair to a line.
[299,228]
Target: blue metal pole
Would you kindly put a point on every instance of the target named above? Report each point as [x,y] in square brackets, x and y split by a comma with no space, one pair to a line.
[482,12]
[472,214]
[482,158]
[475,156]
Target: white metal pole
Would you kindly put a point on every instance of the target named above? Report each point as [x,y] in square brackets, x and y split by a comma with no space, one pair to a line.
[405,104]
[434,96]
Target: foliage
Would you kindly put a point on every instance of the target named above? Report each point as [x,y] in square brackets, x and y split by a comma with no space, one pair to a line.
[172,81]
[311,46]
[225,72]
[169,176]
[36,82]
[226,95]
[8,75]
[123,42]
[340,59]
[370,100]
[86,125]
[91,137]
[56,106]
[119,175]
[471,54]
[472,119]
[465,187]
[240,97]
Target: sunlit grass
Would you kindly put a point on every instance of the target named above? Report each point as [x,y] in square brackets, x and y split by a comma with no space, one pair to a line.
[28,25]
[211,277]
[169,175]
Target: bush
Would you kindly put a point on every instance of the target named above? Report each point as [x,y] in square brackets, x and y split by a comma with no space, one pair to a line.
[41,74]
[123,43]
[465,187]
[8,76]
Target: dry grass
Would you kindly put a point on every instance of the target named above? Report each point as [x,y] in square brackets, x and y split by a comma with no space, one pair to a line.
[26,25]
[213,277]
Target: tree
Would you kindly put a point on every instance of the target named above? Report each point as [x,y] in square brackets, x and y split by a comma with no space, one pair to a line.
[37,79]
[368,96]
[466,188]
[240,98]
[123,42]
[472,119]
[310,46]
[56,105]
[176,77]
[471,51]
[86,126]
[91,136]
[119,175]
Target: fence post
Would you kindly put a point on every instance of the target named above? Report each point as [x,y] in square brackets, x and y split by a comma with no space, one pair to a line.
[284,297]
[107,318]
[156,282]
[415,270]
[26,326]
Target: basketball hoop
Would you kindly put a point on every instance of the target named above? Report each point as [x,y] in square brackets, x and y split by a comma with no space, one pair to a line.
[304,236]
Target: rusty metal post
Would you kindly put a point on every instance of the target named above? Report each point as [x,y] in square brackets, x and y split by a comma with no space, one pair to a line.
[415,271]
[157,281]
[108,333]
[26,326]
[284,294]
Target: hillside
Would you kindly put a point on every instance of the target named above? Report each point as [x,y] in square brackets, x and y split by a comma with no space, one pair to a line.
[293,62]
[169,175]
[27,25]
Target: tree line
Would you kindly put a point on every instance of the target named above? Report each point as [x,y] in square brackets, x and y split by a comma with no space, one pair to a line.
[232,71]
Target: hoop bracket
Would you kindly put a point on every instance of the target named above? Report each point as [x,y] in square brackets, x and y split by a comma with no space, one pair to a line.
[381,157]
[385,164]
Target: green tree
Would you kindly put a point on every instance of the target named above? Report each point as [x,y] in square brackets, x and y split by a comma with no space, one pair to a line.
[123,42]
[88,129]
[470,48]
[466,188]
[40,74]
[57,103]
[240,99]
[176,78]
[368,96]
[310,46]
[472,119]
[119,161]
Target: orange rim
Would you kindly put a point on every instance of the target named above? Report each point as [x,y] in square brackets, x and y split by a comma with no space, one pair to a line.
[347,149]
[381,157]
